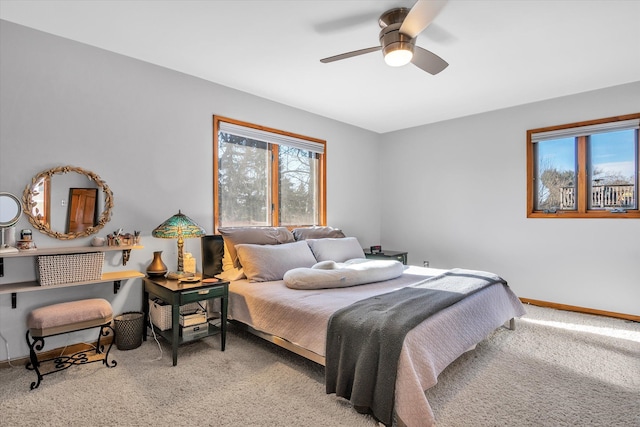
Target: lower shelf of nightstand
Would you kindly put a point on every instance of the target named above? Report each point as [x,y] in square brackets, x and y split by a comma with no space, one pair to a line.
[168,334]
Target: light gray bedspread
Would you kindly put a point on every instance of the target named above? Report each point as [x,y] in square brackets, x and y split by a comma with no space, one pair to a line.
[301,317]
[364,339]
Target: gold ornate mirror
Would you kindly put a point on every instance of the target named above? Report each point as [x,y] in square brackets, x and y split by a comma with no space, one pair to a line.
[67,202]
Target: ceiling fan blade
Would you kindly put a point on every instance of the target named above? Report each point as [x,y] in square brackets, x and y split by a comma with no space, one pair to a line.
[438,34]
[428,61]
[420,16]
[347,23]
[350,54]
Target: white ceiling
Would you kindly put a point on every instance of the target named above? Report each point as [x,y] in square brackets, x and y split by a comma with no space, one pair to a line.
[501,53]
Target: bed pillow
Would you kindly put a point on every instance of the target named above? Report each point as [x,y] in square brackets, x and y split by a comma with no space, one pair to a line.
[253,235]
[227,262]
[305,233]
[338,250]
[328,274]
[326,265]
[232,274]
[229,272]
[264,263]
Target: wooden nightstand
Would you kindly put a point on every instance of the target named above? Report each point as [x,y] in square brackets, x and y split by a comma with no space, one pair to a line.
[179,293]
[388,255]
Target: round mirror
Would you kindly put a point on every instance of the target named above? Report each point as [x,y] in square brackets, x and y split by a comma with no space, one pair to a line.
[10,209]
[67,202]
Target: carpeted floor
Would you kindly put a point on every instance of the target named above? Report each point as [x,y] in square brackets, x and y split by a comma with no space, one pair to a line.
[556,369]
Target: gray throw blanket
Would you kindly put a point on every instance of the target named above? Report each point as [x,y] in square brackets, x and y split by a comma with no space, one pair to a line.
[364,340]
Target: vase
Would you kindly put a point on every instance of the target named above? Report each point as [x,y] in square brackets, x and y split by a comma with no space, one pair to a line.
[157,268]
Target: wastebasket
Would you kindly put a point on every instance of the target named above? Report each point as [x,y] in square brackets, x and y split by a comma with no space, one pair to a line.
[129,328]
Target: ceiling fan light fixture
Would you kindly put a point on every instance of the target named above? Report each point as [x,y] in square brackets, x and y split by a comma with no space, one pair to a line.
[397,48]
[398,53]
[399,29]
[398,57]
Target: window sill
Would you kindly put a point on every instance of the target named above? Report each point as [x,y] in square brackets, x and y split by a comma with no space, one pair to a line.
[588,214]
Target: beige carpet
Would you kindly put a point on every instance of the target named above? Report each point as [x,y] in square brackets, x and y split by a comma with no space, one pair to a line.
[556,369]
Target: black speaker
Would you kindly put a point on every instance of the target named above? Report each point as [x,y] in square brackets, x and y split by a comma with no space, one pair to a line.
[212,253]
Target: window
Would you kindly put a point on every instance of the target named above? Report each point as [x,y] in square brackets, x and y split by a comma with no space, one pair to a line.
[584,170]
[266,177]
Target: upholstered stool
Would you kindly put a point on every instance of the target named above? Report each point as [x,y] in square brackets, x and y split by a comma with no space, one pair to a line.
[68,317]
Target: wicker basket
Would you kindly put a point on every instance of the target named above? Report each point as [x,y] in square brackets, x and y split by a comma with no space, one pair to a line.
[70,268]
[160,312]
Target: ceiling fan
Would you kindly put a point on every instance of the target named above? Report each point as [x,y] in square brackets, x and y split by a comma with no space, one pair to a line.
[400,29]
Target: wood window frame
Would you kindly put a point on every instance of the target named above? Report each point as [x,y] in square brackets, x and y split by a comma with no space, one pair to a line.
[322,178]
[582,209]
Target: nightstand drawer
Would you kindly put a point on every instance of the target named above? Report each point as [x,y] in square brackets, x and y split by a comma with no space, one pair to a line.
[202,294]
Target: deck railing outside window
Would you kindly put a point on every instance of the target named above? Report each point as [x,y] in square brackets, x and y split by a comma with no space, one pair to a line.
[602,197]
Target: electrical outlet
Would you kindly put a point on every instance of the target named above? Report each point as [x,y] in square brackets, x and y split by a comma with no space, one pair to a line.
[425,263]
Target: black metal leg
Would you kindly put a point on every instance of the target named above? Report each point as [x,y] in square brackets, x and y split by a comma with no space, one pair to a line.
[34,364]
[61,363]
[105,330]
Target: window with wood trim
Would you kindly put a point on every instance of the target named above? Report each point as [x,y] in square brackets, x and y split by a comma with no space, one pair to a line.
[584,170]
[266,177]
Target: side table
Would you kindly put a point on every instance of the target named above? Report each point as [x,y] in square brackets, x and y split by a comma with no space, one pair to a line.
[389,255]
[179,293]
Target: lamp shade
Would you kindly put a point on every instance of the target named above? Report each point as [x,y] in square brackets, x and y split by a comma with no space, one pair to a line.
[178,226]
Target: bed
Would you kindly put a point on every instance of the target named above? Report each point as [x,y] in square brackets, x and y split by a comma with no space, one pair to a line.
[297,319]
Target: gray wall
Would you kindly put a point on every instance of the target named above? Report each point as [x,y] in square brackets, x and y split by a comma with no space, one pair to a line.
[454,192]
[455,195]
[147,131]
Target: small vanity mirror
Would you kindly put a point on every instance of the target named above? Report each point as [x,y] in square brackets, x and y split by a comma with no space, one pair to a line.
[67,202]
[10,210]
